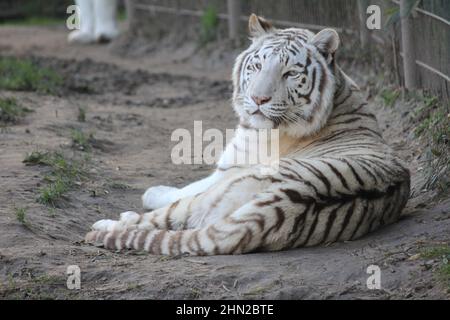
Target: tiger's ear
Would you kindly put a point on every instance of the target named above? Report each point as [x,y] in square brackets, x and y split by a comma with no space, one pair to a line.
[258,26]
[327,41]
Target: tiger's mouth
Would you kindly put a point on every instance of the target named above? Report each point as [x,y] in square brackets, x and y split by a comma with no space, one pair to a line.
[259,115]
[256,112]
[259,120]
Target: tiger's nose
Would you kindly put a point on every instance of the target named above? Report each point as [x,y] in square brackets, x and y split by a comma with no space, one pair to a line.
[261,100]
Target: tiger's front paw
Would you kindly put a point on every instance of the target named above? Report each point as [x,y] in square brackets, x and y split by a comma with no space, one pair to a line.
[127,219]
[158,197]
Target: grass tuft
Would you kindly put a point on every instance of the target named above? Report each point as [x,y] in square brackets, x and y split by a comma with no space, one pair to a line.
[81,115]
[209,24]
[81,140]
[63,176]
[50,194]
[435,252]
[119,186]
[442,253]
[433,125]
[21,215]
[23,75]
[390,97]
[11,111]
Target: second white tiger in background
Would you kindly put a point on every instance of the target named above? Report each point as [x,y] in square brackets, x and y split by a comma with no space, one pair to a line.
[98,21]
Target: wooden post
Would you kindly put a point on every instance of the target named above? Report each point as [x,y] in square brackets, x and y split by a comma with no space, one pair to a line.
[364,33]
[129,8]
[234,14]
[409,56]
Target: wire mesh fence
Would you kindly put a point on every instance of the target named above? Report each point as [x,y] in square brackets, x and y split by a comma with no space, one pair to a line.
[428,20]
[431,29]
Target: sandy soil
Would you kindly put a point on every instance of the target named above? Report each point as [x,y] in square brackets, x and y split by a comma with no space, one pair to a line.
[132,106]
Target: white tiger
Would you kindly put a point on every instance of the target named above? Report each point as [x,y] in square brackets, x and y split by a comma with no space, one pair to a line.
[98,22]
[337,179]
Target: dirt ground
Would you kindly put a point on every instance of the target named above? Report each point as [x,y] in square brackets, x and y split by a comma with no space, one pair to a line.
[132,106]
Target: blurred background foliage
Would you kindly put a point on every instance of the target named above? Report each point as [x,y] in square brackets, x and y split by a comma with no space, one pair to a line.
[33,10]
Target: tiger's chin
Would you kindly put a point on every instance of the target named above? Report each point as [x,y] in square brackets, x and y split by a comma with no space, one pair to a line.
[259,121]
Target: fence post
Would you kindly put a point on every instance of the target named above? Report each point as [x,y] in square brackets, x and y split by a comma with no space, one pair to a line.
[129,8]
[409,56]
[234,14]
[364,34]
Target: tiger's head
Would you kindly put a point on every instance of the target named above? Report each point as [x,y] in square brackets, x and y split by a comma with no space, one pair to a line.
[285,79]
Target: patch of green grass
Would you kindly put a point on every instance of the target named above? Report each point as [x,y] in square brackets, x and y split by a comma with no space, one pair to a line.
[50,194]
[433,125]
[390,97]
[430,101]
[36,157]
[40,287]
[122,15]
[52,212]
[134,286]
[437,118]
[11,284]
[24,75]
[63,175]
[195,293]
[81,117]
[119,186]
[81,140]
[425,106]
[257,291]
[49,280]
[11,111]
[209,24]
[444,275]
[435,252]
[442,253]
[21,215]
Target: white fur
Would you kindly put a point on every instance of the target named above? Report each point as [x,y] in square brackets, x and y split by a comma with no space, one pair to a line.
[269,82]
[97,21]
[239,208]
[127,219]
[161,196]
[158,197]
[105,23]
